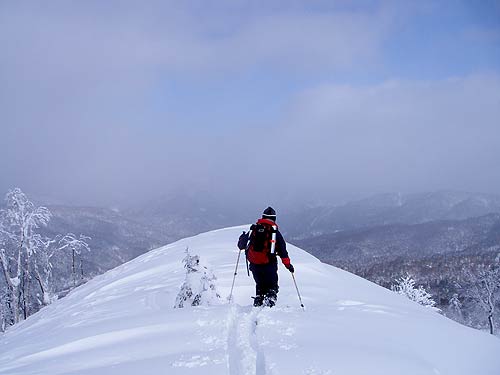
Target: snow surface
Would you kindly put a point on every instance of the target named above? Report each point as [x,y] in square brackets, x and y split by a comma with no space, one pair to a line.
[123,322]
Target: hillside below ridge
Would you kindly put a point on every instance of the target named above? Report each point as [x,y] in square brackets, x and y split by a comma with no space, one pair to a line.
[123,322]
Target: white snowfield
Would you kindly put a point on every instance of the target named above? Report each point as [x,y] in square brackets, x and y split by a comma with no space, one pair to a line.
[123,322]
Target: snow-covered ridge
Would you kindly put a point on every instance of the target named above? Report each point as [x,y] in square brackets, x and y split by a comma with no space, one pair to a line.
[123,322]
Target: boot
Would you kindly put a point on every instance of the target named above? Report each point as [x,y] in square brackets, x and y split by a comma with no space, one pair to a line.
[270,298]
[258,301]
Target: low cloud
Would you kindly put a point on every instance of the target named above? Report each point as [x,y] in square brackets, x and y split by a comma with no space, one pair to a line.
[398,135]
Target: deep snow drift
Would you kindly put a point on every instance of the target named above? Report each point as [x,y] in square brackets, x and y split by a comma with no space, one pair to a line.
[123,322]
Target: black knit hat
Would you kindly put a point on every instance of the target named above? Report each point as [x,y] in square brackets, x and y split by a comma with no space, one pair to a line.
[269,213]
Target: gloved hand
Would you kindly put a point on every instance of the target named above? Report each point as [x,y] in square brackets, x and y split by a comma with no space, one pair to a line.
[243,241]
[290,268]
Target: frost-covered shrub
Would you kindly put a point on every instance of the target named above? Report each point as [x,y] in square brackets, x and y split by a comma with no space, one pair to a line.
[199,286]
[406,287]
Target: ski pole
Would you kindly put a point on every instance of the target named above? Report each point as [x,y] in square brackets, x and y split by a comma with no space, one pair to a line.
[234,277]
[300,299]
[248,270]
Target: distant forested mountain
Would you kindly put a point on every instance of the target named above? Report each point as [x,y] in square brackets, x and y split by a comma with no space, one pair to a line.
[374,244]
[119,235]
[115,238]
[437,238]
[386,209]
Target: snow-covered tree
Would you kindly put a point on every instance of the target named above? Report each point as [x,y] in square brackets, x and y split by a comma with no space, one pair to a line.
[75,245]
[406,287]
[43,271]
[199,286]
[20,220]
[4,309]
[26,258]
[455,308]
[485,289]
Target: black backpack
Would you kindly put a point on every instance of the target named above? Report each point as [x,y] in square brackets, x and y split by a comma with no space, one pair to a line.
[260,243]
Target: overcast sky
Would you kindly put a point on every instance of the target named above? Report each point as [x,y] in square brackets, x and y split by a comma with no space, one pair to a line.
[102,102]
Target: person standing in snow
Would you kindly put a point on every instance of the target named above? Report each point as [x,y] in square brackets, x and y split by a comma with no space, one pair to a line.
[262,244]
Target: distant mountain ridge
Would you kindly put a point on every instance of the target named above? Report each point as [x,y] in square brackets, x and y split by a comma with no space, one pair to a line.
[407,241]
[186,213]
[120,235]
[391,208]
[115,238]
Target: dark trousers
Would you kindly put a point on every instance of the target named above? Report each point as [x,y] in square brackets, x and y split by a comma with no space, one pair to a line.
[266,283]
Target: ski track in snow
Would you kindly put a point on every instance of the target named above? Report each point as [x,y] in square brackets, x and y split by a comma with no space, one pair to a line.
[245,356]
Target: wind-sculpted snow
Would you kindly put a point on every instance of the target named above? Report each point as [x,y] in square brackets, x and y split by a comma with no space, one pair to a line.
[123,322]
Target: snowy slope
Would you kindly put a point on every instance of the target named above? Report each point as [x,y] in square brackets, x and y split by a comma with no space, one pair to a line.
[122,322]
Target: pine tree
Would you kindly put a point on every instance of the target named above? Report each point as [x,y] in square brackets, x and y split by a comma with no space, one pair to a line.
[199,286]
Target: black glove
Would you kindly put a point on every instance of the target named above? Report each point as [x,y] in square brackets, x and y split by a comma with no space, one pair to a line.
[290,268]
[243,241]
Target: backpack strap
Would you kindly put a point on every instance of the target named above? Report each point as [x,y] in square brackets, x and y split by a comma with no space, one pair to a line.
[249,233]
[273,239]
